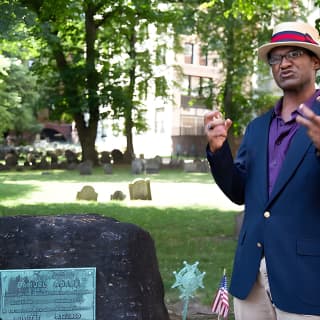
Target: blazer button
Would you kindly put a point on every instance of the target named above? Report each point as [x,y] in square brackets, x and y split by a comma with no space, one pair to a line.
[259,245]
[266,214]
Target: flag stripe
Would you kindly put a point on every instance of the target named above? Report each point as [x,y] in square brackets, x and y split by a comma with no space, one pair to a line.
[220,303]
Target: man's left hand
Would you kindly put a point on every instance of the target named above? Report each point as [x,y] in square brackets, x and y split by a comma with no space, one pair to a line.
[312,122]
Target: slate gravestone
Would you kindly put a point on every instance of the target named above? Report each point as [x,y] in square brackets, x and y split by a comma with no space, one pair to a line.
[71,156]
[137,166]
[87,193]
[196,166]
[128,282]
[11,159]
[153,165]
[140,189]
[107,168]
[85,168]
[118,195]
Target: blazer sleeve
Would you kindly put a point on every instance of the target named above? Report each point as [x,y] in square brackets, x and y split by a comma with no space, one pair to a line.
[228,173]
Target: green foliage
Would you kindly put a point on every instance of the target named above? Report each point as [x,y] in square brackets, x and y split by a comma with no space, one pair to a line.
[18,98]
[92,54]
[234,29]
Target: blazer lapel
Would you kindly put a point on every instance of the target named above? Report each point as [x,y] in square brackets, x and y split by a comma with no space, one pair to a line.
[262,135]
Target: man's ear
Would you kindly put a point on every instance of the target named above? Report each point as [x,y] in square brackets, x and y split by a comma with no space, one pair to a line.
[316,63]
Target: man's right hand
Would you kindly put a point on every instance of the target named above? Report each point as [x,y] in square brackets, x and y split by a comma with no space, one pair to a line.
[216,129]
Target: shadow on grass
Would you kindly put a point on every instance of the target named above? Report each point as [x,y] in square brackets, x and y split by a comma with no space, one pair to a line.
[10,191]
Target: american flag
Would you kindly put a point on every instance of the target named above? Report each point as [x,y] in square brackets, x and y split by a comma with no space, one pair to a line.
[220,303]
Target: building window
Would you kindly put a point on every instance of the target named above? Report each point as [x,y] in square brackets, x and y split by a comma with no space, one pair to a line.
[188,53]
[159,121]
[197,86]
[206,87]
[203,58]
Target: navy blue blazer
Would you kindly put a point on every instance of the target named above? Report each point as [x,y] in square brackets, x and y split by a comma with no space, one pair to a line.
[284,227]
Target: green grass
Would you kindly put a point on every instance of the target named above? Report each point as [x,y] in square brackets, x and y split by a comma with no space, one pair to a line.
[180,233]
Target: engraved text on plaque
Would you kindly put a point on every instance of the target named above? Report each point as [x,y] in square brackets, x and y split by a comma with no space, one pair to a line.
[45,294]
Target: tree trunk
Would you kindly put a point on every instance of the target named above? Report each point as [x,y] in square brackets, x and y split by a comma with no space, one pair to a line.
[129,153]
[87,137]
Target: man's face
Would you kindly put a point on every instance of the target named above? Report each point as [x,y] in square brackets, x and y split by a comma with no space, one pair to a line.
[293,68]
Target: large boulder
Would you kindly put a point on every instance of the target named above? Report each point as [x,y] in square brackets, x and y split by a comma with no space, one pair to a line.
[128,282]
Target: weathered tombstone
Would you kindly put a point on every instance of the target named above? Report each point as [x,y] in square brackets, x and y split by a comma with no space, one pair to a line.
[176,164]
[107,168]
[85,167]
[190,167]
[137,166]
[11,159]
[118,195]
[196,165]
[117,156]
[71,157]
[140,189]
[153,165]
[128,281]
[87,193]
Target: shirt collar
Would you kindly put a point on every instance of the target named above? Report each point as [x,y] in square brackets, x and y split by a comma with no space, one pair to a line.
[308,103]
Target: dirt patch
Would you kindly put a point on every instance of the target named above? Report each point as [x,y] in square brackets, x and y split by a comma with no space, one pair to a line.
[196,311]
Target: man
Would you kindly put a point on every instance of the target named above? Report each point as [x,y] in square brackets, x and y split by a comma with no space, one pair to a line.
[276,174]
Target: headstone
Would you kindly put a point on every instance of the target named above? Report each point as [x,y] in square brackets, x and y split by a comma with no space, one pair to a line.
[117,156]
[152,165]
[85,167]
[118,195]
[176,164]
[196,165]
[71,157]
[140,189]
[87,193]
[128,284]
[107,168]
[137,166]
[11,159]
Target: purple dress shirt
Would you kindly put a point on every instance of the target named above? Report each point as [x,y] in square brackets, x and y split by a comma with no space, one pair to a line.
[280,135]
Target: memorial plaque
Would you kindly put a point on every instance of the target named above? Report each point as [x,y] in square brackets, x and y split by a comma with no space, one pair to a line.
[45,294]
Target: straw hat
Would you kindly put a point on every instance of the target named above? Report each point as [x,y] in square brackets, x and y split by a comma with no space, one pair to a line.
[295,34]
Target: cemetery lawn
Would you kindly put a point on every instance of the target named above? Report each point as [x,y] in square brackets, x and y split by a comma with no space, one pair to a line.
[191,230]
